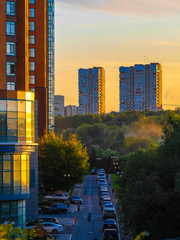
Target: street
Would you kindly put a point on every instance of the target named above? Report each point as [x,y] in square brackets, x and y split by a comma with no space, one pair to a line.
[83,229]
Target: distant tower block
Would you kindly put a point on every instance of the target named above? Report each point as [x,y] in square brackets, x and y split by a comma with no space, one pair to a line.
[140,88]
[92,90]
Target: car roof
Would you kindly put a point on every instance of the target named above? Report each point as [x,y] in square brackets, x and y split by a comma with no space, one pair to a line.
[76,196]
[110,220]
[49,223]
[110,230]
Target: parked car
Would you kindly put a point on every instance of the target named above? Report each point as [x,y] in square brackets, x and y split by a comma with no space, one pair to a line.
[56,208]
[49,227]
[107,205]
[105,199]
[100,171]
[76,199]
[107,208]
[109,213]
[109,224]
[52,227]
[106,202]
[110,234]
[43,219]
[58,196]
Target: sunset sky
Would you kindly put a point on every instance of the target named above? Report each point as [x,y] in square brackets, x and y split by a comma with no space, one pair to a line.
[114,33]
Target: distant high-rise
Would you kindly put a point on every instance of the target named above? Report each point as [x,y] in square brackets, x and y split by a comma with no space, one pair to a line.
[92,90]
[71,110]
[59,105]
[141,87]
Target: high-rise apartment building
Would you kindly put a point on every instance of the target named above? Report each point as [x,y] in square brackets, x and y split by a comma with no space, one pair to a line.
[59,105]
[141,87]
[92,90]
[71,110]
[26,85]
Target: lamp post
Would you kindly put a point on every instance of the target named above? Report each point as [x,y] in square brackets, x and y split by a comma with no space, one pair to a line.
[115,164]
[67,176]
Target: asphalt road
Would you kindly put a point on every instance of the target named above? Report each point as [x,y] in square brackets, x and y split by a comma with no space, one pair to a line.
[84,230]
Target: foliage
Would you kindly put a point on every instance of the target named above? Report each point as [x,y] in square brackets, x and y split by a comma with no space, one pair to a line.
[7,232]
[115,182]
[111,119]
[61,163]
[149,188]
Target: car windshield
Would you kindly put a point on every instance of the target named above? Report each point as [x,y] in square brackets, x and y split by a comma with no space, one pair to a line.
[109,210]
[76,197]
[109,205]
[110,221]
[111,232]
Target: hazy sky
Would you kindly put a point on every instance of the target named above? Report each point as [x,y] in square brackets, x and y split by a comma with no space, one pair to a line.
[114,33]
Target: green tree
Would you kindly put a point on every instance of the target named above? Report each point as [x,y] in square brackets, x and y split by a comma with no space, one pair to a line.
[149,188]
[7,232]
[61,163]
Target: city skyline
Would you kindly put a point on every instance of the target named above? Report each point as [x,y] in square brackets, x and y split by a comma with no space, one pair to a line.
[96,33]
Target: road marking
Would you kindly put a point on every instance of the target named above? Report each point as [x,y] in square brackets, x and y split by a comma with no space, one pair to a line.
[90,232]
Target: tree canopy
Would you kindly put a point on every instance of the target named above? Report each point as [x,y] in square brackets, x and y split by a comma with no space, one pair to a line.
[61,163]
[149,187]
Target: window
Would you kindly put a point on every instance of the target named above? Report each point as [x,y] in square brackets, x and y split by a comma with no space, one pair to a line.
[10,68]
[11,86]
[32,1]
[32,12]
[32,79]
[32,26]
[32,89]
[10,8]
[10,49]
[32,66]
[32,52]
[10,28]
[32,39]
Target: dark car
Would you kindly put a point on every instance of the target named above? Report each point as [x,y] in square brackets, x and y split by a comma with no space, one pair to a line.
[43,219]
[56,208]
[109,224]
[76,199]
[111,234]
[109,213]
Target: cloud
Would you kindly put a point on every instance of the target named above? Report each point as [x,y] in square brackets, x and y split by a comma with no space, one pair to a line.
[150,7]
[160,43]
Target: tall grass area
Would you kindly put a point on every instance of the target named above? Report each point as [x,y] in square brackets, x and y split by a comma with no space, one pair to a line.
[115,182]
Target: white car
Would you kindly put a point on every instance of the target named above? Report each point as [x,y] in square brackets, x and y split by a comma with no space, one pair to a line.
[58,196]
[52,227]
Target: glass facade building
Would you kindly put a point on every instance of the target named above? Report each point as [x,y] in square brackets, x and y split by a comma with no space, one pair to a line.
[51,64]
[16,144]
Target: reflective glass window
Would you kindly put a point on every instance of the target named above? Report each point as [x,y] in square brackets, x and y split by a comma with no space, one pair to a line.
[32,52]
[3,105]
[10,8]
[32,12]
[32,39]
[21,106]
[10,48]
[32,26]
[11,85]
[10,28]
[32,66]
[12,106]
[10,68]
[32,79]
[32,1]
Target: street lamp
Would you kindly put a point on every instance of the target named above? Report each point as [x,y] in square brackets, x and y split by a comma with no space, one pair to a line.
[67,176]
